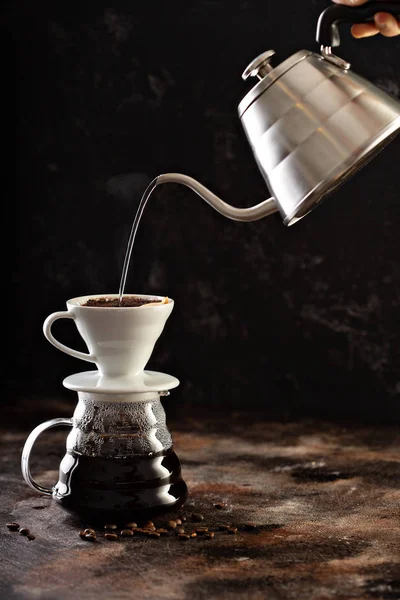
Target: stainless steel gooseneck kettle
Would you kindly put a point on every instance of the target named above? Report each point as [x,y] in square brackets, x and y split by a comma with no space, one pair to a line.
[311,122]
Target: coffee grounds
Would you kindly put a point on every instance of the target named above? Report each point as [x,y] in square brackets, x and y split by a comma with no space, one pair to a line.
[125,301]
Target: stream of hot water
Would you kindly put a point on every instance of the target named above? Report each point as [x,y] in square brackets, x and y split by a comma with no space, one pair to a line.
[253,213]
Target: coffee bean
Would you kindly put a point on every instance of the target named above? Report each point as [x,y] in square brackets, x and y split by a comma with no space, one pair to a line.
[30,536]
[232,530]
[179,530]
[153,534]
[90,537]
[178,521]
[197,517]
[149,525]
[126,532]
[13,526]
[220,505]
[183,536]
[82,534]
[171,525]
[89,530]
[162,531]
[201,530]
[223,527]
[111,536]
[209,535]
[193,535]
[250,525]
[24,531]
[110,526]
[130,525]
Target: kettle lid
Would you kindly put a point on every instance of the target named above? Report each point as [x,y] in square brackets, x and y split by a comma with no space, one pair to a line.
[260,67]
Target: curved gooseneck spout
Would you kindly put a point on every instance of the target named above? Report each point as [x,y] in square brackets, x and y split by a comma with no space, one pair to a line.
[253,213]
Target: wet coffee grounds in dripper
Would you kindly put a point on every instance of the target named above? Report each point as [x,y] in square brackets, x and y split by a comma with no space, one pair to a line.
[126,301]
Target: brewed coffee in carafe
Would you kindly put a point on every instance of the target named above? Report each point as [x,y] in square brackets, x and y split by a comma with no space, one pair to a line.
[120,463]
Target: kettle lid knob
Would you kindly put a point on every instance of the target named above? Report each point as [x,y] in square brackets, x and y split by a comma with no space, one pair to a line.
[260,66]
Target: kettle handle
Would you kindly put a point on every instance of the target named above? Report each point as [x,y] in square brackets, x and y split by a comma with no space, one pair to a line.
[331,17]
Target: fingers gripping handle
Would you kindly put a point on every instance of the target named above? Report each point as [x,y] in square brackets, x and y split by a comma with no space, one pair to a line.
[332,17]
[63,314]
[26,452]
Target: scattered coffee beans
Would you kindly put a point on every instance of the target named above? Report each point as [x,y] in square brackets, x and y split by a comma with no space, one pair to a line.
[232,530]
[126,532]
[179,530]
[201,530]
[149,529]
[21,530]
[197,517]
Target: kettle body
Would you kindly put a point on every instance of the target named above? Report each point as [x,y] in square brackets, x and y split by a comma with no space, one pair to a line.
[311,123]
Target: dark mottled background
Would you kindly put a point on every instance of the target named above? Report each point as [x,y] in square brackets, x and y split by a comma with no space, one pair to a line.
[297,322]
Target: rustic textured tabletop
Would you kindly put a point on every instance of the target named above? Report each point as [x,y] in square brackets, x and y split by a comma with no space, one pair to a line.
[316,507]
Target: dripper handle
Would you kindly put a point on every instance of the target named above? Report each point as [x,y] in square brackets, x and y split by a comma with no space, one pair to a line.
[63,314]
[330,18]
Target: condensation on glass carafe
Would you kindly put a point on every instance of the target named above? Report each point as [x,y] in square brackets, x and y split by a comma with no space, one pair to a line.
[107,428]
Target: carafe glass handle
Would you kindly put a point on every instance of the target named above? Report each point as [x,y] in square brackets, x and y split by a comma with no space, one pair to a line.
[26,452]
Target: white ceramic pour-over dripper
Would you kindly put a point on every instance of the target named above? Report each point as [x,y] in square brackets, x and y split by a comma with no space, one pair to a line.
[120,340]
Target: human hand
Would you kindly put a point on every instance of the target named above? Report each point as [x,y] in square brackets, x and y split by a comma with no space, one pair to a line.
[384,23]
